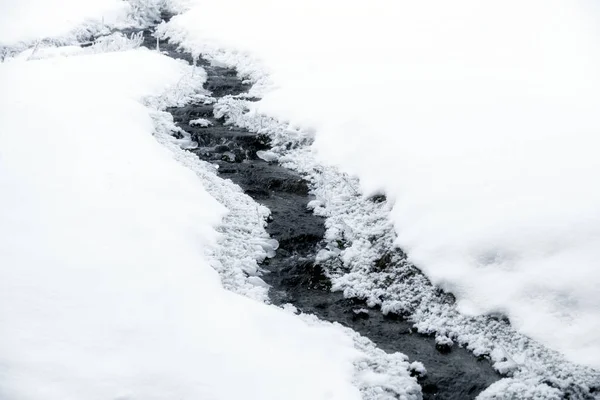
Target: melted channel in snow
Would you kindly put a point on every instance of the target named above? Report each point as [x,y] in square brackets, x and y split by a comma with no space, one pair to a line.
[480,121]
[106,286]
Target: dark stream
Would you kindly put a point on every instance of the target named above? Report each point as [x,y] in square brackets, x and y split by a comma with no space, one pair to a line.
[451,373]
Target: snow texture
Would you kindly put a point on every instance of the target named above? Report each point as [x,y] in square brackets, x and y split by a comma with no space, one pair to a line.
[267,156]
[421,164]
[33,25]
[483,137]
[32,20]
[200,122]
[109,231]
[360,235]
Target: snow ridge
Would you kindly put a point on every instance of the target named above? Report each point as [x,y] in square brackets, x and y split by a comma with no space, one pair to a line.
[127,14]
[242,233]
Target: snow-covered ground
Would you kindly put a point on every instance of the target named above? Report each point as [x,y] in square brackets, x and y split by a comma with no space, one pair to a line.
[359,260]
[109,243]
[478,120]
[30,20]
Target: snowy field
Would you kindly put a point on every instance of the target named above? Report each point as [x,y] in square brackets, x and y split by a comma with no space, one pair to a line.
[109,233]
[479,121]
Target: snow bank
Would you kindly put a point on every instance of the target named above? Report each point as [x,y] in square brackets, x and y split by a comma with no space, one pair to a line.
[479,120]
[105,290]
[26,20]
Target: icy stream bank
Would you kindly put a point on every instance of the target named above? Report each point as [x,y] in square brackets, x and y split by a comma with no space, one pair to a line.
[294,277]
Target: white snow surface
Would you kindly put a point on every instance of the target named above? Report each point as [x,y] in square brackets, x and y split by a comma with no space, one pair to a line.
[106,286]
[360,234]
[28,20]
[478,120]
[200,122]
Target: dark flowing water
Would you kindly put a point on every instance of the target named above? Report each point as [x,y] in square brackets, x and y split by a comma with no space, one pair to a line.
[293,275]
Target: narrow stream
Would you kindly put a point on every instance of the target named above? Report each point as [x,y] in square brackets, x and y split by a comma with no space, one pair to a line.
[294,278]
[452,374]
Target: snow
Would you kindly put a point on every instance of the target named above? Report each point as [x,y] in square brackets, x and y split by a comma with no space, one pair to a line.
[267,156]
[108,238]
[28,20]
[200,122]
[359,233]
[478,121]
[107,289]
[418,368]
[444,341]
[511,389]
